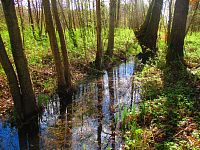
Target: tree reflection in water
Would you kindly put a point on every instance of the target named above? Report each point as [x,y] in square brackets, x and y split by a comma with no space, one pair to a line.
[87,122]
[100,113]
[29,135]
[66,120]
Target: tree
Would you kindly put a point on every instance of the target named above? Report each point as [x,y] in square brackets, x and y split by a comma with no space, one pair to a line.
[118,13]
[169,21]
[195,12]
[98,60]
[24,97]
[112,12]
[12,79]
[69,23]
[54,45]
[99,112]
[175,47]
[64,51]
[31,18]
[147,34]
[28,135]
[136,15]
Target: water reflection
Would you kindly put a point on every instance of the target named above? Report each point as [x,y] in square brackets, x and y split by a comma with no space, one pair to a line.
[29,135]
[111,107]
[88,122]
[66,121]
[100,114]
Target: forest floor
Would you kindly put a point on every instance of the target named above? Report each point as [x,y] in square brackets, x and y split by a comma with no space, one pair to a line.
[169,114]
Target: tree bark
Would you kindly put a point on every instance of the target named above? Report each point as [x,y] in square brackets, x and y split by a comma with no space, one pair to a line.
[169,21]
[118,13]
[64,51]
[28,97]
[12,80]
[176,43]
[54,45]
[98,60]
[112,12]
[69,24]
[136,16]
[147,34]
[193,16]
[31,19]
[20,11]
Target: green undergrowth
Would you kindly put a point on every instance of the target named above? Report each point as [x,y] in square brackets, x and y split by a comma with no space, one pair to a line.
[168,118]
[40,57]
[37,50]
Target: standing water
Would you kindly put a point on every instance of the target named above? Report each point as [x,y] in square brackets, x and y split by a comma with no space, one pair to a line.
[90,121]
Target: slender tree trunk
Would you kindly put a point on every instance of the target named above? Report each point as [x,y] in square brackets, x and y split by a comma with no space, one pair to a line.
[176,43]
[169,21]
[69,24]
[41,21]
[118,13]
[73,16]
[125,13]
[31,19]
[38,13]
[94,16]
[112,11]
[20,11]
[98,60]
[12,80]
[63,45]
[100,114]
[136,15]
[28,97]
[54,45]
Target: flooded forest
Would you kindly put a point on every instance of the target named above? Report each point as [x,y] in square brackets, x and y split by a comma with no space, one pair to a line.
[100,74]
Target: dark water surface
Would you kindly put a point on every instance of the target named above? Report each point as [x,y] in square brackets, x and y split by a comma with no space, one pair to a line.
[91,121]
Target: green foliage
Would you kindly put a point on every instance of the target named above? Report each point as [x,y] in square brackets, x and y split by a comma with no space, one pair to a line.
[132,132]
[124,116]
[192,47]
[42,100]
[169,104]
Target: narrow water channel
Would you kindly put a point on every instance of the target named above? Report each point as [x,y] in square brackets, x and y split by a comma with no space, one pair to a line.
[90,122]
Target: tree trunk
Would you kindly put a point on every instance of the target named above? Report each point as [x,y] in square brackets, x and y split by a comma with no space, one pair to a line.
[195,11]
[176,43]
[69,24]
[112,11]
[63,46]
[169,21]
[31,19]
[20,11]
[118,13]
[54,45]
[147,34]
[28,97]
[136,16]
[98,60]
[12,80]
